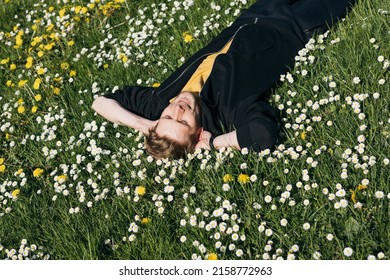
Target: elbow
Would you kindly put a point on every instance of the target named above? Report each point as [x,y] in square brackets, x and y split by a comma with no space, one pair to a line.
[96,104]
[105,107]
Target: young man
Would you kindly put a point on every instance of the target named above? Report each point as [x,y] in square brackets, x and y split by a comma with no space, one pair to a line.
[217,98]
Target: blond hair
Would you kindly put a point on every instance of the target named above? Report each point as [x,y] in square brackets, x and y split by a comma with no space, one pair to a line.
[161,147]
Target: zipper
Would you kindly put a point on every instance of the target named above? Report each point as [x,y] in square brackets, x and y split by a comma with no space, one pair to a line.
[205,55]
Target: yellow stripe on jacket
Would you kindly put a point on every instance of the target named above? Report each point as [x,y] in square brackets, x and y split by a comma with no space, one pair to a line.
[197,80]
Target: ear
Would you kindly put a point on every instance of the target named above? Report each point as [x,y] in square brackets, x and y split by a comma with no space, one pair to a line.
[199,132]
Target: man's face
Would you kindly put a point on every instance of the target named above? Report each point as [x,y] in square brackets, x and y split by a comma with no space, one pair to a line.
[179,120]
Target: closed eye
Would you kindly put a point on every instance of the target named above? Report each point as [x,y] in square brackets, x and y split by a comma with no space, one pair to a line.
[167,117]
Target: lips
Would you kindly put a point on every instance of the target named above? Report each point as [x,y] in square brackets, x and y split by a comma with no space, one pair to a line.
[185,101]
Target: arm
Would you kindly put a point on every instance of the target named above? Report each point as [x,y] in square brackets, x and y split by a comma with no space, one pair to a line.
[227,140]
[259,131]
[115,113]
[224,140]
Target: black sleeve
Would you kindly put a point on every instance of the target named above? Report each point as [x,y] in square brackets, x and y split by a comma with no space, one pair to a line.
[138,100]
[261,129]
[256,71]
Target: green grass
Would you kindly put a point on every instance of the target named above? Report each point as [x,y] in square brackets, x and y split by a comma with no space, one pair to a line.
[91,215]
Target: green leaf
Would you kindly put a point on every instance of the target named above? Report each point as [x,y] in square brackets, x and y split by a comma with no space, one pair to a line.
[352,227]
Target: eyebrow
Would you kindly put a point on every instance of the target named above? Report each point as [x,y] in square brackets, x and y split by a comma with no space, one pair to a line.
[182,122]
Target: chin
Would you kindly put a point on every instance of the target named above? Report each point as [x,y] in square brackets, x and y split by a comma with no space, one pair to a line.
[187,94]
[192,97]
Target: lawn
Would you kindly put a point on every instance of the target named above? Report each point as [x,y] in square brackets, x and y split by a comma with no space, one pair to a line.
[74,186]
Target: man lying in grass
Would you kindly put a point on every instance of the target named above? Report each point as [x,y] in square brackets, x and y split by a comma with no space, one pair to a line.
[217,98]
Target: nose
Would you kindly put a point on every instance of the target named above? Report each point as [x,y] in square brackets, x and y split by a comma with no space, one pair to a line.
[178,110]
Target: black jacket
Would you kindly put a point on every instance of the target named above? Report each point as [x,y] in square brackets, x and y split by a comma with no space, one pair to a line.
[266,38]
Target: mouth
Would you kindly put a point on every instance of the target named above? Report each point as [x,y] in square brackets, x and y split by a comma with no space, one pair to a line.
[184,101]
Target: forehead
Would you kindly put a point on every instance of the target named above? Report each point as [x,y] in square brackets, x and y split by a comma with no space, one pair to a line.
[173,130]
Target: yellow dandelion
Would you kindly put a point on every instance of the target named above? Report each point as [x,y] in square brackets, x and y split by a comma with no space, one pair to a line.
[38,97]
[15,193]
[124,58]
[51,8]
[105,66]
[71,43]
[62,178]
[145,221]
[212,257]
[4,61]
[37,83]
[48,47]
[140,190]
[64,65]
[20,101]
[21,109]
[62,12]
[77,9]
[18,41]
[37,172]
[54,36]
[9,83]
[22,83]
[34,109]
[34,27]
[84,10]
[353,196]
[243,178]
[303,135]
[2,168]
[361,187]
[29,62]
[72,73]
[227,178]
[12,66]
[20,170]
[37,39]
[1,160]
[41,71]
[56,91]
[50,27]
[187,37]
[7,136]
[155,85]
[40,53]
